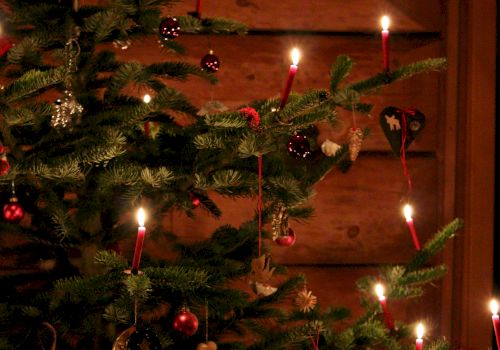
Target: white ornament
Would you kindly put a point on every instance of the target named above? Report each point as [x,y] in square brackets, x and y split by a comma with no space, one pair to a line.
[262,290]
[68,110]
[329,148]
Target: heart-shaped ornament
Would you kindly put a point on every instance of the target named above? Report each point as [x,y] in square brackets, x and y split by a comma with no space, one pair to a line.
[394,121]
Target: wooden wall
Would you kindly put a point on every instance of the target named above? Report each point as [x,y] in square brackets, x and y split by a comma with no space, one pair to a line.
[358,223]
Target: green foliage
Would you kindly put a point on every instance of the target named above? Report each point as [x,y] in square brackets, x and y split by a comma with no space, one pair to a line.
[81,184]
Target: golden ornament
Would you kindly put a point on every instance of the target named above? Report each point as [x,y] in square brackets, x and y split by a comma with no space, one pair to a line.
[207,346]
[305,300]
[121,341]
[261,274]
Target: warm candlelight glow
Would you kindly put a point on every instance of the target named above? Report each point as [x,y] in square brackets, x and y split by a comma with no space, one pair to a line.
[420,331]
[141,215]
[379,290]
[385,23]
[295,56]
[494,306]
[146,98]
[408,211]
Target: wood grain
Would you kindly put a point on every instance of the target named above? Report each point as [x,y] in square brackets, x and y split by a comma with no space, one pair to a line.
[323,15]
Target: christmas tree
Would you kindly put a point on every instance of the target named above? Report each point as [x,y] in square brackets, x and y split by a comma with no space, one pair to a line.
[113,141]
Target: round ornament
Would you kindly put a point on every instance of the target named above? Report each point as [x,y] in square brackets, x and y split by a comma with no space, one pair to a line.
[186,322]
[169,28]
[207,346]
[4,165]
[210,62]
[298,146]
[13,211]
[143,338]
[195,201]
[286,240]
[252,116]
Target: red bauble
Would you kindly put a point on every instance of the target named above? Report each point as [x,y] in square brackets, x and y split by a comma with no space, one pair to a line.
[298,146]
[195,201]
[186,322]
[210,62]
[288,240]
[5,46]
[169,28]
[4,166]
[252,116]
[13,211]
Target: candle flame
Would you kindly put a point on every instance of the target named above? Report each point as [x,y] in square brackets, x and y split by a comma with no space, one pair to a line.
[407,211]
[295,56]
[420,331]
[385,22]
[141,216]
[494,306]
[379,290]
[146,98]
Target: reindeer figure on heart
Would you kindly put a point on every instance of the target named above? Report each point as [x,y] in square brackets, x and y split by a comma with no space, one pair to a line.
[396,128]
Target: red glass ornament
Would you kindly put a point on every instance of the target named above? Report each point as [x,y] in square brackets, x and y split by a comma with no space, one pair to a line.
[186,322]
[210,62]
[4,166]
[13,211]
[288,240]
[169,28]
[298,146]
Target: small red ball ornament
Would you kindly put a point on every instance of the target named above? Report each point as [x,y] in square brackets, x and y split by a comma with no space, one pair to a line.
[169,28]
[13,211]
[195,201]
[288,240]
[186,322]
[298,146]
[210,62]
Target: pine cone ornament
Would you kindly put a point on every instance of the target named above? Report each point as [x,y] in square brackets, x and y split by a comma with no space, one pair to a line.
[305,300]
[355,142]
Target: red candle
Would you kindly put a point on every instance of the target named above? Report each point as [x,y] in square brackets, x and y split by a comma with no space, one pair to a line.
[385,41]
[291,75]
[198,8]
[496,320]
[141,232]
[420,334]
[379,290]
[407,210]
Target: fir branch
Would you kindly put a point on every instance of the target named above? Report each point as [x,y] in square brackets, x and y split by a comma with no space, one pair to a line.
[226,120]
[371,84]
[340,70]
[177,278]
[139,287]
[111,260]
[433,246]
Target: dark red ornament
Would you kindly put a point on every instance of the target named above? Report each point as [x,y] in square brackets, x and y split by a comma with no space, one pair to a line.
[288,240]
[169,28]
[298,146]
[5,46]
[195,201]
[4,165]
[186,322]
[210,62]
[13,211]
[252,116]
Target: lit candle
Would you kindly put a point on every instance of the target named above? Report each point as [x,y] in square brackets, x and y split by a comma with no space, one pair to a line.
[379,290]
[407,211]
[291,75]
[141,232]
[496,320]
[385,41]
[198,8]
[146,98]
[420,334]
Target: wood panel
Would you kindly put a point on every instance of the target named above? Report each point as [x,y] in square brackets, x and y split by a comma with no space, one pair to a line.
[248,74]
[358,217]
[323,15]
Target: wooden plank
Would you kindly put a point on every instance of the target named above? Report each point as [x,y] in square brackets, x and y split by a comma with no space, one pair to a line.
[358,218]
[323,15]
[246,75]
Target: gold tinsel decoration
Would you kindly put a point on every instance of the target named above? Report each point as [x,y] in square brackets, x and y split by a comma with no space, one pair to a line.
[355,142]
